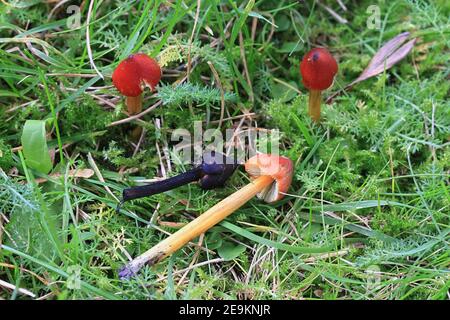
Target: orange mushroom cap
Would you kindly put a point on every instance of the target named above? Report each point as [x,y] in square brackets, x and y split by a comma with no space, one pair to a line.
[135,72]
[279,168]
[318,69]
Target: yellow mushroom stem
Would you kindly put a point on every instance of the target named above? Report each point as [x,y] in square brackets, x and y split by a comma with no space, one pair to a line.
[201,224]
[134,104]
[314,104]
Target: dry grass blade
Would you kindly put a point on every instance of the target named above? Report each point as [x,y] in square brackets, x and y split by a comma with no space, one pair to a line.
[88,40]
[20,290]
[387,56]
[11,266]
[197,13]
[99,175]
[222,92]
[333,13]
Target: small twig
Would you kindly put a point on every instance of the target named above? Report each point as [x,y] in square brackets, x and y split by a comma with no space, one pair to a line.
[88,89]
[136,116]
[197,13]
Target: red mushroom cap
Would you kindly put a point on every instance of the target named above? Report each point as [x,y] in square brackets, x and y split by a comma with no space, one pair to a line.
[279,168]
[318,69]
[133,73]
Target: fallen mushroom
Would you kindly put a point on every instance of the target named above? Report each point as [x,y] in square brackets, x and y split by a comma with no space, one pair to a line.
[318,69]
[132,75]
[213,172]
[271,177]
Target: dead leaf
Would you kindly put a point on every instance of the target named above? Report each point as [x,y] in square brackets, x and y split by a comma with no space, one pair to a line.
[75,173]
[388,55]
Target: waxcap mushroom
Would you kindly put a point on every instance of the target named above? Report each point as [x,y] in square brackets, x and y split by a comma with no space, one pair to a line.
[131,77]
[278,167]
[318,69]
[134,73]
[271,173]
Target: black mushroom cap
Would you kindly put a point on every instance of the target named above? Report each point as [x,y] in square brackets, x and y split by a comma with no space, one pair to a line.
[216,169]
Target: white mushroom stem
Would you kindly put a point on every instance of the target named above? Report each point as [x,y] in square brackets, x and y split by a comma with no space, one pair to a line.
[198,226]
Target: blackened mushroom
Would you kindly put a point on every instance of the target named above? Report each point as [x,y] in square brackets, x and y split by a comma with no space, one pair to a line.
[211,173]
[270,172]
